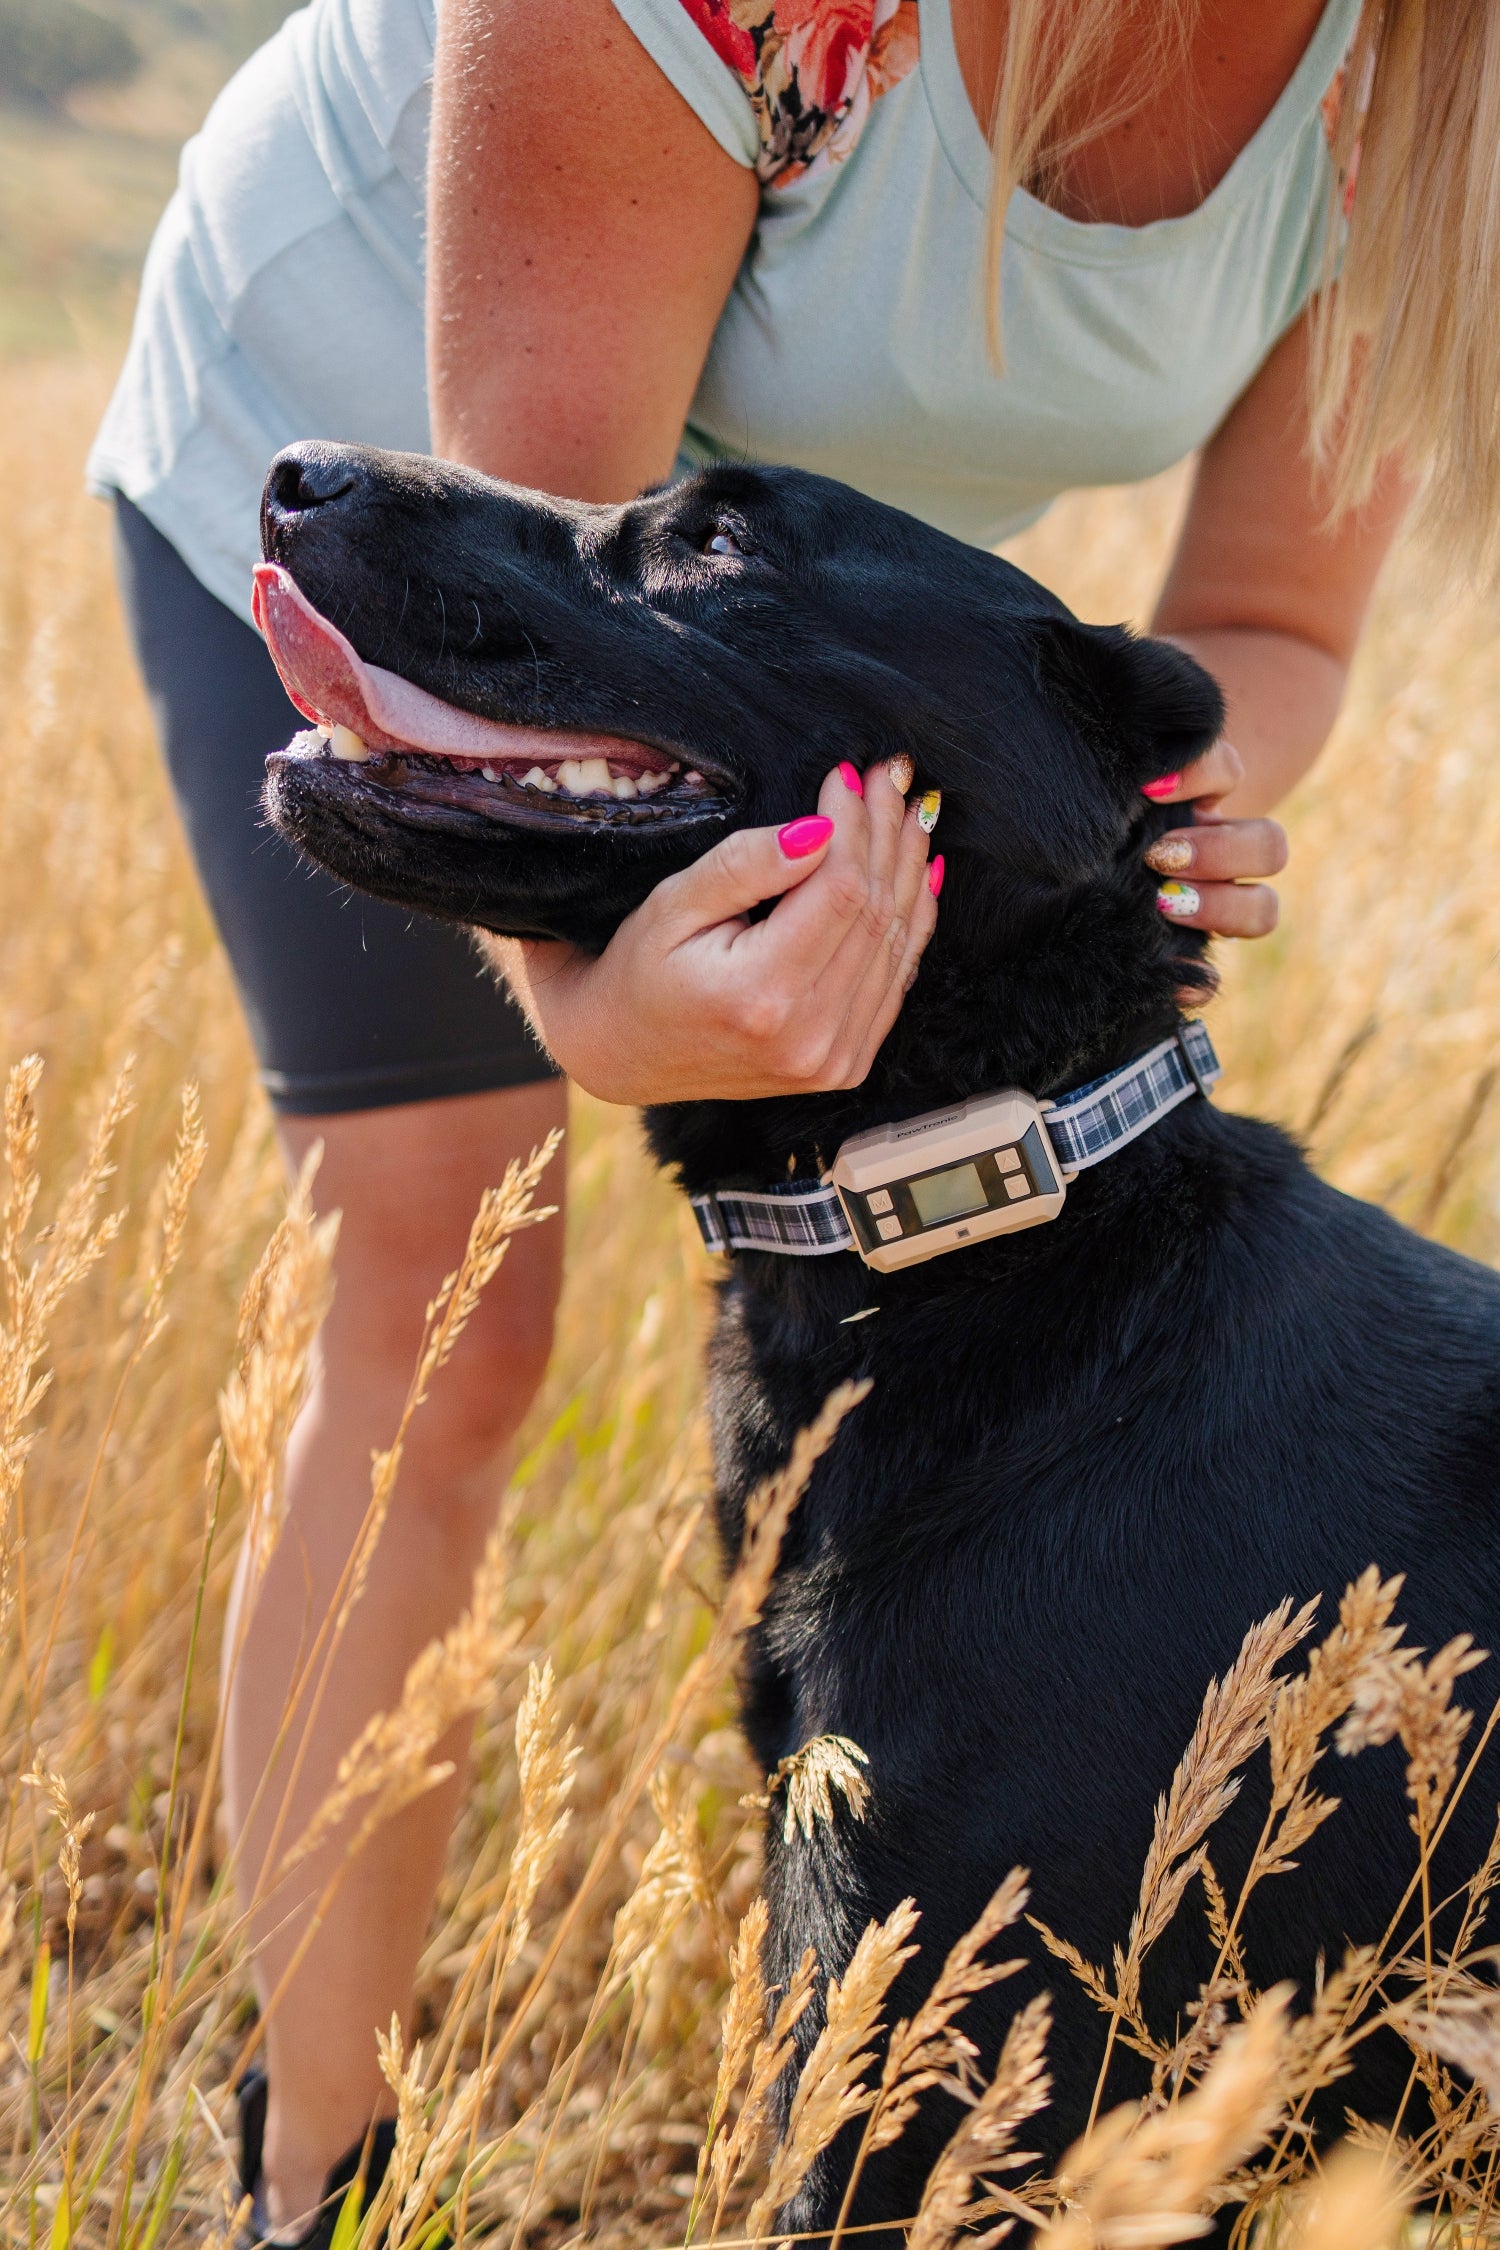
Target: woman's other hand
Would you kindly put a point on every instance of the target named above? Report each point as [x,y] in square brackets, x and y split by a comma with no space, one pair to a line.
[693,1001]
[1214,871]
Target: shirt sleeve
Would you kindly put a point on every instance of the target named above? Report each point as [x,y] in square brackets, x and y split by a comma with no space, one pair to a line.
[679,36]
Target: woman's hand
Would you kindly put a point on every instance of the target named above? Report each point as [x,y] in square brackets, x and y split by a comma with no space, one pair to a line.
[692,1001]
[1212,867]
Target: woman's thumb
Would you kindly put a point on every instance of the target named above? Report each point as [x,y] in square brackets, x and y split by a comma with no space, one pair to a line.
[747,868]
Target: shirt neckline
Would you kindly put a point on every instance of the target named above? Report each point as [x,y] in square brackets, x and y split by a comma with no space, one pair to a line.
[1102,242]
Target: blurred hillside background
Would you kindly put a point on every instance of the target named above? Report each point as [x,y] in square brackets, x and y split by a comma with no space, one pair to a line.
[96,100]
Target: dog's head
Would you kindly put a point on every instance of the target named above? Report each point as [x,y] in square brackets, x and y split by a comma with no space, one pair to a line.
[559,704]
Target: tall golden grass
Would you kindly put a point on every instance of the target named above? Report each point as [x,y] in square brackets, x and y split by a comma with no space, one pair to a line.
[594,2054]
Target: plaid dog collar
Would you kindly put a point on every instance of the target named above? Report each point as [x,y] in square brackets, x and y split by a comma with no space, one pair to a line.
[1084,1127]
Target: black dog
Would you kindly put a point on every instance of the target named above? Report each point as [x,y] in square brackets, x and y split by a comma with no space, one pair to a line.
[1094,1452]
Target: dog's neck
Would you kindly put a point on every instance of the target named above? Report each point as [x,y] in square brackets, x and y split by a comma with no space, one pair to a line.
[1092,985]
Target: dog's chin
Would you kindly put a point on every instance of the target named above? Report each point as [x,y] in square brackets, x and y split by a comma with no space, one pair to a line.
[487,849]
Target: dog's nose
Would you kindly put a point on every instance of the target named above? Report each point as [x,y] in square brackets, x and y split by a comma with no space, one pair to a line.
[310,475]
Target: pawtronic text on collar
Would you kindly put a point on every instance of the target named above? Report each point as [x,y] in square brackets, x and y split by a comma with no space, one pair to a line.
[903,1193]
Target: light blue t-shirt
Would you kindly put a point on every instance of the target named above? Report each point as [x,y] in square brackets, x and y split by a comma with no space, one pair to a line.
[282,296]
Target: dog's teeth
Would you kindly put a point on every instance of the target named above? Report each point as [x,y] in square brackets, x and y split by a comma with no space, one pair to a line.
[693,779]
[624,787]
[536,778]
[583,777]
[649,783]
[348,746]
[489,773]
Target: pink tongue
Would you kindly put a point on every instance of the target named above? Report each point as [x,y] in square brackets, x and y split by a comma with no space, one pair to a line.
[329,682]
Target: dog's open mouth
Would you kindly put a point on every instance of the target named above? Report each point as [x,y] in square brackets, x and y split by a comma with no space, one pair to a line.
[392,735]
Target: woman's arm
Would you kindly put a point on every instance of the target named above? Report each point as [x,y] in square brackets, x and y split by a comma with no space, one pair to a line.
[1270,597]
[585,230]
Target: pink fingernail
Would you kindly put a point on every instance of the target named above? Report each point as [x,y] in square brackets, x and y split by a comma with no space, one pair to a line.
[801,838]
[935,875]
[849,776]
[1157,790]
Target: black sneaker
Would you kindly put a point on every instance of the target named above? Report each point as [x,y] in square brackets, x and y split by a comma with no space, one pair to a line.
[317,2233]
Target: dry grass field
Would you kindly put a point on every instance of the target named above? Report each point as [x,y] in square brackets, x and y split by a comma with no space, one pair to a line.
[588,2061]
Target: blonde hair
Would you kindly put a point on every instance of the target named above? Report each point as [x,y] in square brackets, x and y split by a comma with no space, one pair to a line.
[1405,332]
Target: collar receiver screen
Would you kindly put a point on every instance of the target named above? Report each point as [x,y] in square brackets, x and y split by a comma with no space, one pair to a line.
[934,1183]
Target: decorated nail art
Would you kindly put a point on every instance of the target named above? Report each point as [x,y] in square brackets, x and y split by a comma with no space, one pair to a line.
[1165,787]
[801,838]
[902,773]
[849,776]
[928,808]
[1178,898]
[935,875]
[1169,855]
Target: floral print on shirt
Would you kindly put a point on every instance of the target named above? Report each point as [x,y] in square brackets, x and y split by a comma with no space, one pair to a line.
[812,69]
[1331,109]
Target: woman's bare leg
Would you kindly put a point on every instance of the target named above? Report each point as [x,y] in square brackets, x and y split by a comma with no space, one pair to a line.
[408,1182]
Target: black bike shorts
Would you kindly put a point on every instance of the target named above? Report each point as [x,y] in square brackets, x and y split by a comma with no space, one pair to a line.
[352,1004]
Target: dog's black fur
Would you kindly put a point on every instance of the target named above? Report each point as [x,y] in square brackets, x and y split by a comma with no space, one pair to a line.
[1094,1452]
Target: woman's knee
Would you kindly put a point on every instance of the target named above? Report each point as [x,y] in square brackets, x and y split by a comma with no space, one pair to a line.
[407,1183]
[478,1399]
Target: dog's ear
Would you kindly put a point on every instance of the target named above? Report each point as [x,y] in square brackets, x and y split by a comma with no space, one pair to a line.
[1143,707]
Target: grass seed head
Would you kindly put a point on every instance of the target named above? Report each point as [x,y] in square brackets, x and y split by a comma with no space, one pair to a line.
[749,2139]
[961,2189]
[1146,2177]
[832,2088]
[810,1776]
[1234,1722]
[1357,2203]
[743,2026]
[930,2050]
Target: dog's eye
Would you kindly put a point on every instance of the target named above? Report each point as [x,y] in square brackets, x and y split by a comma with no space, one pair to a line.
[724,543]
